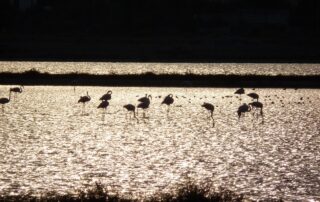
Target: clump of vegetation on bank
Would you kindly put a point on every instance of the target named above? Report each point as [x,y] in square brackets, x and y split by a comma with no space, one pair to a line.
[187,193]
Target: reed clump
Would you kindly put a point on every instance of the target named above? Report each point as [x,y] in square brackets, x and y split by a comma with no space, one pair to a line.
[99,193]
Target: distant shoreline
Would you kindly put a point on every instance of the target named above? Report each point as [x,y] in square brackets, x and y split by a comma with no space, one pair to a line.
[33,77]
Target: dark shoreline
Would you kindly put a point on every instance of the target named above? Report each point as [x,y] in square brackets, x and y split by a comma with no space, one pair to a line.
[33,77]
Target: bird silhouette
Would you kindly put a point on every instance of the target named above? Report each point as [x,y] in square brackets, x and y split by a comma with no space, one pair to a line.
[131,108]
[144,103]
[168,100]
[254,96]
[240,91]
[103,105]
[208,107]
[17,89]
[84,99]
[4,101]
[257,106]
[146,98]
[106,96]
[243,109]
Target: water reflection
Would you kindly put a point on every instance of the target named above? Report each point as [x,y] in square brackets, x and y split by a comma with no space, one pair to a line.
[47,143]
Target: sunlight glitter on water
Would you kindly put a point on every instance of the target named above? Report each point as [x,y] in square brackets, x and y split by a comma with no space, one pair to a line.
[101,68]
[49,142]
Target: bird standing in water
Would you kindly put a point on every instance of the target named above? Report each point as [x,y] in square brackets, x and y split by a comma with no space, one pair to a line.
[131,108]
[103,105]
[106,96]
[210,108]
[5,100]
[17,89]
[257,106]
[168,100]
[144,103]
[254,96]
[84,100]
[240,91]
[243,109]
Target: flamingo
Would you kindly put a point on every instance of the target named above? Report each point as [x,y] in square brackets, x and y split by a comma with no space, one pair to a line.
[257,105]
[103,105]
[254,96]
[131,108]
[16,89]
[168,100]
[243,109]
[240,91]
[144,105]
[5,100]
[84,99]
[106,96]
[208,107]
[145,98]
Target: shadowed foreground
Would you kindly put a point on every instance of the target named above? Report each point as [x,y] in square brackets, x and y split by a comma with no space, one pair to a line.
[34,77]
[188,192]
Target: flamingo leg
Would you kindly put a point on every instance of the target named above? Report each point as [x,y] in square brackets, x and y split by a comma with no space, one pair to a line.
[134,115]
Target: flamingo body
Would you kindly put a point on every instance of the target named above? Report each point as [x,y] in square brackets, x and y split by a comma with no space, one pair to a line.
[168,100]
[208,107]
[106,96]
[130,107]
[5,100]
[243,109]
[254,96]
[240,91]
[257,105]
[104,104]
[84,99]
[16,89]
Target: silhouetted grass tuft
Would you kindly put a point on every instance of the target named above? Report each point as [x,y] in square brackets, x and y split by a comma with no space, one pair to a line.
[99,193]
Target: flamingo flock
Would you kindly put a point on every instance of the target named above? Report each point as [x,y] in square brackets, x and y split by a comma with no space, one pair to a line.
[255,107]
[144,102]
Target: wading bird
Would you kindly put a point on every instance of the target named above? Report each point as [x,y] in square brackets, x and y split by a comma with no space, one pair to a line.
[103,105]
[254,96]
[131,108]
[168,100]
[146,98]
[106,96]
[257,106]
[208,107]
[240,91]
[17,89]
[84,99]
[243,109]
[144,103]
[5,100]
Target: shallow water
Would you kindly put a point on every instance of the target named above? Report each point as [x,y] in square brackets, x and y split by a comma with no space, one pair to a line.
[163,68]
[49,142]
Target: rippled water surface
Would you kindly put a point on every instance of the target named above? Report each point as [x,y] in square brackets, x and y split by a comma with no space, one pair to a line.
[162,68]
[49,142]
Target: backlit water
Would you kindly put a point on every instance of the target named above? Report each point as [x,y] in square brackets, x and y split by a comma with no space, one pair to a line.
[163,68]
[49,142]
